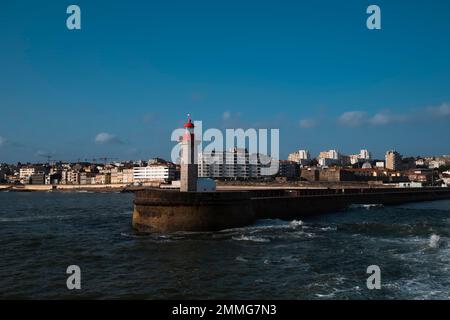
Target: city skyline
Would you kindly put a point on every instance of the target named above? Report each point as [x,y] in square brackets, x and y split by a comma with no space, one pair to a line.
[121,84]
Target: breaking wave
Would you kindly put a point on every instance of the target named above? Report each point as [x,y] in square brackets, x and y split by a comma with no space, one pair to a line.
[369,206]
[434,241]
[296,223]
[250,238]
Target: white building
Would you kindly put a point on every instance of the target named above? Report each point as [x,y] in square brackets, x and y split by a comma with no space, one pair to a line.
[26,172]
[299,155]
[235,163]
[325,162]
[379,164]
[333,154]
[446,177]
[363,156]
[156,172]
[70,177]
[420,162]
[302,157]
[435,164]
[327,158]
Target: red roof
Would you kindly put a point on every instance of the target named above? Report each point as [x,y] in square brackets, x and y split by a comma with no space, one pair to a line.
[189,124]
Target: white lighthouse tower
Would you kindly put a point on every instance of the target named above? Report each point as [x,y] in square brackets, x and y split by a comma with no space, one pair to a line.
[188,163]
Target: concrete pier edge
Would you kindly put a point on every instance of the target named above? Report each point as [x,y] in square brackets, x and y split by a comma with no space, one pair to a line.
[170,211]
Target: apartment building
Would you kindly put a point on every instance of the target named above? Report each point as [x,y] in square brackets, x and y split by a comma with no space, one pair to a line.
[155,172]
[26,172]
[302,157]
[233,164]
[393,160]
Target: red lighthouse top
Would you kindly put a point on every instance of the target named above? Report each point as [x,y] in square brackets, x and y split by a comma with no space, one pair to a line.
[189,123]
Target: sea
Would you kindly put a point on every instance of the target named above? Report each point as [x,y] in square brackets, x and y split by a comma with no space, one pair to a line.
[321,257]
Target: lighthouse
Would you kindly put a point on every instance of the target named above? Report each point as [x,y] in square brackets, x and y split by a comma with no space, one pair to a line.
[188,163]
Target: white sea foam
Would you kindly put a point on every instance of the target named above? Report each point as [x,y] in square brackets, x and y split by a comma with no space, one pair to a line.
[434,241]
[241,259]
[250,238]
[328,229]
[368,206]
[266,224]
[295,223]
[128,235]
[331,295]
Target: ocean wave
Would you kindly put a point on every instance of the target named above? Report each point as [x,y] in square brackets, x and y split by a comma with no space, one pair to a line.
[389,229]
[260,225]
[241,259]
[368,206]
[296,223]
[325,296]
[131,235]
[434,241]
[250,238]
[439,205]
[328,228]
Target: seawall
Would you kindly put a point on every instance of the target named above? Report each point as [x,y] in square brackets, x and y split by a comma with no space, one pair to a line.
[297,204]
[169,210]
[116,187]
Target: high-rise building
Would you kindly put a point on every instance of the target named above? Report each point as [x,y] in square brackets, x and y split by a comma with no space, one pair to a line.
[330,157]
[330,154]
[393,160]
[235,163]
[365,154]
[299,155]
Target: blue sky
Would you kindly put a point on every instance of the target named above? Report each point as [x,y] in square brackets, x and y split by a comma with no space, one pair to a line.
[121,84]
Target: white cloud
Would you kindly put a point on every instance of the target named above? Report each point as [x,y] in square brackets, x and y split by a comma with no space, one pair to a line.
[380,119]
[105,138]
[441,111]
[307,123]
[353,118]
[2,141]
[359,118]
[385,118]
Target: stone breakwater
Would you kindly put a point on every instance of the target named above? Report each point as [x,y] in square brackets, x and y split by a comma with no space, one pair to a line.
[169,211]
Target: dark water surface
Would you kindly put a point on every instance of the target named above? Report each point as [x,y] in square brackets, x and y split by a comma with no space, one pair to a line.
[318,258]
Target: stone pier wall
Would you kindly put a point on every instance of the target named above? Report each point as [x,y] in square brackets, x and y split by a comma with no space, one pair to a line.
[168,210]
